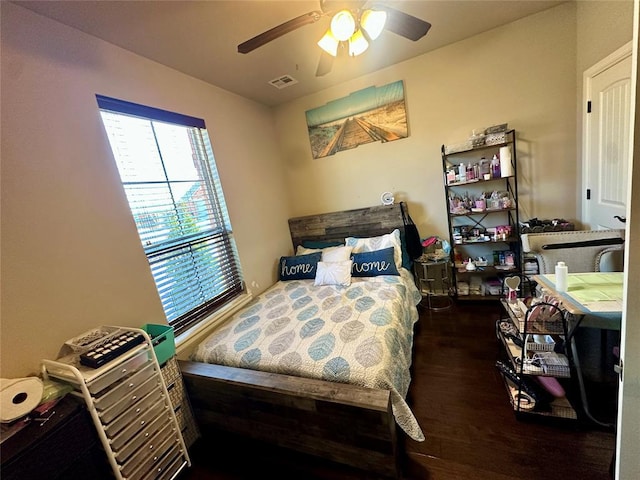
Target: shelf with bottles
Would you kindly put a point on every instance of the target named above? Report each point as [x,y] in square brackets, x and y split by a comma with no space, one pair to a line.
[479,201]
[475,181]
[458,174]
[484,162]
[484,257]
[481,192]
[502,261]
[478,234]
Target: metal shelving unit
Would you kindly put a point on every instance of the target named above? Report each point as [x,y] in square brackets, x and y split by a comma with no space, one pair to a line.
[490,231]
[527,358]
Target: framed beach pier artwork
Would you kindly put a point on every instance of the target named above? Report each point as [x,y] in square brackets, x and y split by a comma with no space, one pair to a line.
[373,114]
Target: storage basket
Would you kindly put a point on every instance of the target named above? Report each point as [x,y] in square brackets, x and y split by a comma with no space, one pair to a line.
[495,138]
[91,339]
[163,341]
[458,147]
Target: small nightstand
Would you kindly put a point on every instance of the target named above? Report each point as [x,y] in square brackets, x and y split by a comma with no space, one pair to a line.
[433,279]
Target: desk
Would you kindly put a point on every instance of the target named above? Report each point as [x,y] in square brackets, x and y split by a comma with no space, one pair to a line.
[593,299]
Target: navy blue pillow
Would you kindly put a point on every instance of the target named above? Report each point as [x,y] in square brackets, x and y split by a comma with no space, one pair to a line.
[372,264]
[299,267]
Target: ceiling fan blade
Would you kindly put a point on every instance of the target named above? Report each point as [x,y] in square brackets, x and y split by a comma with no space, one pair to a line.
[324,64]
[278,31]
[404,24]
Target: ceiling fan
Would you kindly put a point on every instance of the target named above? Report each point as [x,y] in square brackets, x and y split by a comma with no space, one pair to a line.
[353,23]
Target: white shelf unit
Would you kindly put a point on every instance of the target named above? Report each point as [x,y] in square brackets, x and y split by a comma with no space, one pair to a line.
[131,409]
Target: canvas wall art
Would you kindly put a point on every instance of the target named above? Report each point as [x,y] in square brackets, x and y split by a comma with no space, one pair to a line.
[373,114]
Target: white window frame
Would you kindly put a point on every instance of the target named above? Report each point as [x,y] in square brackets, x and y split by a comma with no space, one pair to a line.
[169,175]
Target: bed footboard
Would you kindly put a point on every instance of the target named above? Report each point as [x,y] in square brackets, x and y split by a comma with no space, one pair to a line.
[344,423]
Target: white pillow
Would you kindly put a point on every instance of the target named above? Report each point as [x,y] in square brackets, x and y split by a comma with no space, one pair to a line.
[306,251]
[334,273]
[370,244]
[336,254]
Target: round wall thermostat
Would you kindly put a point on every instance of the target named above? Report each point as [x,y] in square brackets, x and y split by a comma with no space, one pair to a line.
[387,198]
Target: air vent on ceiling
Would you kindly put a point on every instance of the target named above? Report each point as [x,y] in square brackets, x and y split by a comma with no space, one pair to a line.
[283,82]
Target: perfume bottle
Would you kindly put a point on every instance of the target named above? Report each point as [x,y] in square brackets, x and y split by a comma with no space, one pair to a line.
[495,167]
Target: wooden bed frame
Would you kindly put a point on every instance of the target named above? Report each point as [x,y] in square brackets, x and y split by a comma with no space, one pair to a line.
[344,423]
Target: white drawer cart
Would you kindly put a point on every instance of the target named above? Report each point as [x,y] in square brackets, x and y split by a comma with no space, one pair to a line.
[131,408]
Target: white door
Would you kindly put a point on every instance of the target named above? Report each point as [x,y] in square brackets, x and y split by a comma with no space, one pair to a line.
[606,136]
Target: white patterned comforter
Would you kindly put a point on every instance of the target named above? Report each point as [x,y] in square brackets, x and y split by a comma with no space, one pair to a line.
[361,334]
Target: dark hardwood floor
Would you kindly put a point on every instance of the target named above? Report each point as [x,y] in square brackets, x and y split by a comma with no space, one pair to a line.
[460,401]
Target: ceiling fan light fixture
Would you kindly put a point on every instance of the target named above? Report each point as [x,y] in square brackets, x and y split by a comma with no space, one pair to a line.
[357,44]
[329,43]
[372,21]
[343,25]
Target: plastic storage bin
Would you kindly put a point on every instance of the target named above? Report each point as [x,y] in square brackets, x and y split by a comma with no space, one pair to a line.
[163,341]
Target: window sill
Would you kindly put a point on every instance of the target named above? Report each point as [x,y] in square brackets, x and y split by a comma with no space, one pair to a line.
[187,341]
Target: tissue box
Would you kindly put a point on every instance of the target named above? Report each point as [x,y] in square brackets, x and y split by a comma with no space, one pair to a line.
[163,341]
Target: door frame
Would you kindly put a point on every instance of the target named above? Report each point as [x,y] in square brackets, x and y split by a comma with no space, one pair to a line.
[628,426]
[587,80]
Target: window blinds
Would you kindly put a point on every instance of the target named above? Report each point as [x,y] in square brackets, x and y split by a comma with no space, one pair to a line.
[169,175]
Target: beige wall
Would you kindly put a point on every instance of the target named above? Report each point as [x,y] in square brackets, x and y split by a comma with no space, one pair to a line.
[602,27]
[496,77]
[71,259]
[523,73]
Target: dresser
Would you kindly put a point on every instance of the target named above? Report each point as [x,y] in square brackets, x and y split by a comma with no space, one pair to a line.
[62,445]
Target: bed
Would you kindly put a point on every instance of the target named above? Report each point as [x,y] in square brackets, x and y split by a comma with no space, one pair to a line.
[320,361]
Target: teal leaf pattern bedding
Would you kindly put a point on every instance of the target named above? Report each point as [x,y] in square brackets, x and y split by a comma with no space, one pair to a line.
[361,334]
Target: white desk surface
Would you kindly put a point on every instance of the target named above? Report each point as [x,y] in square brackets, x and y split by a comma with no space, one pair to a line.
[597,295]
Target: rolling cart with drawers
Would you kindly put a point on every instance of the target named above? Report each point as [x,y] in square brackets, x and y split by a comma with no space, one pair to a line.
[128,400]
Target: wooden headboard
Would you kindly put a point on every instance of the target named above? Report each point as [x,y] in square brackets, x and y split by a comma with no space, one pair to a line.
[336,226]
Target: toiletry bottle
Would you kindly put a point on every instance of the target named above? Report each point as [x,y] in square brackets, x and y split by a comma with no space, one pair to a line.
[561,277]
[451,176]
[495,167]
[484,168]
[462,171]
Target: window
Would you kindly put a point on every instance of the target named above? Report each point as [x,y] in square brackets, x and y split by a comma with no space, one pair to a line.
[170,178]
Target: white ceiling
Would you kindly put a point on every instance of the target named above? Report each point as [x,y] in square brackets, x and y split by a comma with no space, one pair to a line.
[200,38]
